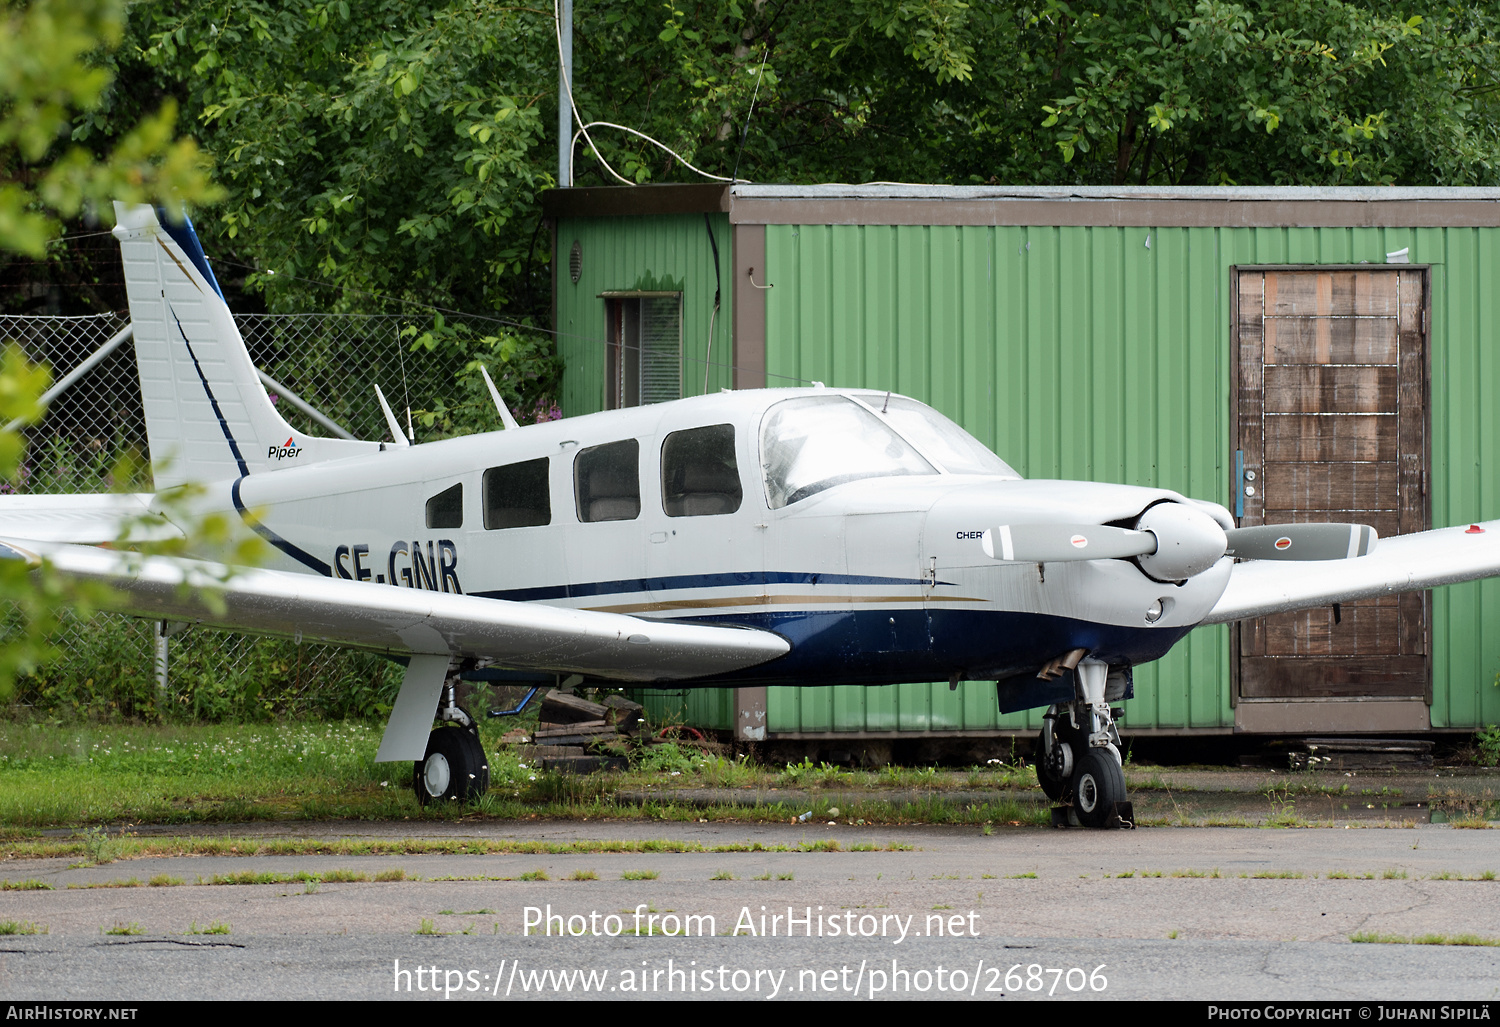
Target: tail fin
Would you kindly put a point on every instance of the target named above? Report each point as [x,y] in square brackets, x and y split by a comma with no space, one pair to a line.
[208,417]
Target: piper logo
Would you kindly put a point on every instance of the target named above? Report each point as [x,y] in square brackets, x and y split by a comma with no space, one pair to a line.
[289,451]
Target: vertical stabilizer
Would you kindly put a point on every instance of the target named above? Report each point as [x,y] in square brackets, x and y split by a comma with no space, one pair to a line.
[208,418]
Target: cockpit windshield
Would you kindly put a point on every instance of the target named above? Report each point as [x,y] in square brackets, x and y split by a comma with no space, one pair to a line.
[808,445]
[941,439]
[811,444]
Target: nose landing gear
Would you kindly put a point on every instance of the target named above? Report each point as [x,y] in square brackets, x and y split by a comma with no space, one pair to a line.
[1078,757]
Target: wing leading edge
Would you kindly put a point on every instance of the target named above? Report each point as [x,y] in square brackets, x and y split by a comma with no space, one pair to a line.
[1402,563]
[526,636]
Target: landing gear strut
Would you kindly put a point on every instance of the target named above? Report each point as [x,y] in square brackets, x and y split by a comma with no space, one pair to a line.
[455,766]
[1078,754]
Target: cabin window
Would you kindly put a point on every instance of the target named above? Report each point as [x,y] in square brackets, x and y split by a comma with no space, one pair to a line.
[446,509]
[517,496]
[699,474]
[644,356]
[808,445]
[607,482]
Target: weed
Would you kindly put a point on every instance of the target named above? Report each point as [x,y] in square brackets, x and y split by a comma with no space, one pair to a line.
[762,877]
[217,927]
[164,881]
[539,874]
[21,927]
[122,928]
[1338,875]
[584,875]
[640,875]
[342,876]
[1195,873]
[477,912]
[1172,935]
[445,912]
[427,927]
[784,877]
[1370,937]
[391,874]
[31,884]
[1394,875]
[1487,741]
[723,875]
[1030,875]
[310,888]
[1280,875]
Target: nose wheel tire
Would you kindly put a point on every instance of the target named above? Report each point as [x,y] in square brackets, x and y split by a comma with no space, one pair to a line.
[1098,784]
[453,768]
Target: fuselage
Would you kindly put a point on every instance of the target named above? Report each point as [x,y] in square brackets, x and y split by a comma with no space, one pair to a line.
[768,508]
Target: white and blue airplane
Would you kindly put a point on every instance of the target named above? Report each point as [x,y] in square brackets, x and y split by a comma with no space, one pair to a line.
[807,536]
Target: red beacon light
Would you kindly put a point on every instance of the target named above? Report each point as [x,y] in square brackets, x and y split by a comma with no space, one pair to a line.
[1474,529]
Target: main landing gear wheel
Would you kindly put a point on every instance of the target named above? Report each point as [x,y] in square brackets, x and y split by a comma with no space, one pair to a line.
[1054,767]
[1098,785]
[454,767]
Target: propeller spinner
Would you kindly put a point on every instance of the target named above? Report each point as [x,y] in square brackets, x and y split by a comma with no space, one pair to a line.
[1173,542]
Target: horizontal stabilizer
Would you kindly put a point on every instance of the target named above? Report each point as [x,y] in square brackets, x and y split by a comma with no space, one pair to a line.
[85,519]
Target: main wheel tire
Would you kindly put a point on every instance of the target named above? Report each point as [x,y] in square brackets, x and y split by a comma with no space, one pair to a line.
[453,768]
[1054,787]
[1098,784]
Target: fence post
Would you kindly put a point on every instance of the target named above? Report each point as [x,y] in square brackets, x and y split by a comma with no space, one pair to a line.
[160,631]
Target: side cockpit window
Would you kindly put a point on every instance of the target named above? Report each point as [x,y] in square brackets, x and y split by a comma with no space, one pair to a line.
[699,474]
[607,482]
[446,509]
[517,496]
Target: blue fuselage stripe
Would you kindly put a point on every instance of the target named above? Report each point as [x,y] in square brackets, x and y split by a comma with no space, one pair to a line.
[684,581]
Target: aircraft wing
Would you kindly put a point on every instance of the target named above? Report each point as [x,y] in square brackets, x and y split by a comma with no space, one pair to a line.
[1402,563]
[85,519]
[525,636]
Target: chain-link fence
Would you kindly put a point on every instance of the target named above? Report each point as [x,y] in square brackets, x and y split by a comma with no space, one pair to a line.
[93,439]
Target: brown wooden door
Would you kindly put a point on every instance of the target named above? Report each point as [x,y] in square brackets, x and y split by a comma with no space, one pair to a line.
[1332,422]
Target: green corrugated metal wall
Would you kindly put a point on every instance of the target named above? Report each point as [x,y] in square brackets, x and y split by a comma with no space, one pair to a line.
[1079,353]
[625,254]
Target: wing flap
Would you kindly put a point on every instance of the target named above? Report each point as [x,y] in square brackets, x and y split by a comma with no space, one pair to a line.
[527,636]
[1402,563]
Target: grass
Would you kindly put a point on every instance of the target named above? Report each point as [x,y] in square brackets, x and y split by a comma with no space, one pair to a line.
[92,775]
[166,845]
[538,874]
[1372,938]
[723,875]
[123,929]
[640,875]
[584,875]
[217,927]
[9,927]
[30,884]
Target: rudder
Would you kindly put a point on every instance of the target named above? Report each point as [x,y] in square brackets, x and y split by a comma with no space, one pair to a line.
[208,417]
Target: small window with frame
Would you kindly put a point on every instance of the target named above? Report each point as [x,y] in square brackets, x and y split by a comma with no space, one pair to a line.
[446,509]
[607,482]
[699,474]
[517,495]
[643,361]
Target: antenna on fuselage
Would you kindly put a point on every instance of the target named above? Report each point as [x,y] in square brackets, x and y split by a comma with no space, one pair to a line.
[390,419]
[505,415]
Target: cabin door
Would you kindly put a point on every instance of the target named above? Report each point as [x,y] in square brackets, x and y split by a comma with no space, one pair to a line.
[1332,426]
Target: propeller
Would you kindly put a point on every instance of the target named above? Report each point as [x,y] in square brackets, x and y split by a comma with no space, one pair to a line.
[1301,541]
[1173,542]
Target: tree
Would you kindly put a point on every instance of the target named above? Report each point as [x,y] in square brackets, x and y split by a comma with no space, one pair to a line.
[49,80]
